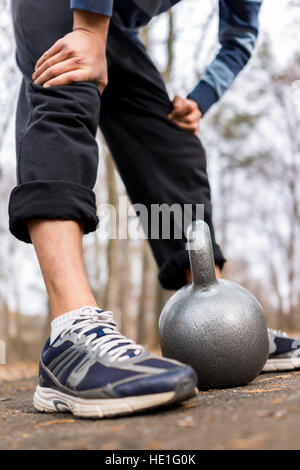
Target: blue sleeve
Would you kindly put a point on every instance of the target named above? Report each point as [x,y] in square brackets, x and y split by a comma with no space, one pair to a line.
[238,31]
[103,7]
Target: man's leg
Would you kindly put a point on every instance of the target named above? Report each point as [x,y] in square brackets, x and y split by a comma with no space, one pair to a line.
[57,155]
[159,162]
[87,366]
[58,245]
[56,159]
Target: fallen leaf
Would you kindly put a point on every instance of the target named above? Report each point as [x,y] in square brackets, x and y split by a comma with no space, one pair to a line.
[187,422]
[294,409]
[251,442]
[190,405]
[26,388]
[18,371]
[110,446]
[268,379]
[154,445]
[57,421]
[207,419]
[263,380]
[280,414]
[278,400]
[263,413]
[117,428]
[262,390]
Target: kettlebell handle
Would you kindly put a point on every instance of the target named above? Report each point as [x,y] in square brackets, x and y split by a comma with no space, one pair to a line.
[201,255]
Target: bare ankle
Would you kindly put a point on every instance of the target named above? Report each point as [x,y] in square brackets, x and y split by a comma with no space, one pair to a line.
[58,308]
[58,245]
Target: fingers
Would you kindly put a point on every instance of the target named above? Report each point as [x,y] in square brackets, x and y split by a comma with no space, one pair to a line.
[190,118]
[74,58]
[186,114]
[181,111]
[183,108]
[56,70]
[60,57]
[55,49]
[192,128]
[78,75]
[178,101]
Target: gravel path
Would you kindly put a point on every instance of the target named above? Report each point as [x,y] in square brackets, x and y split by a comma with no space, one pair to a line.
[263,415]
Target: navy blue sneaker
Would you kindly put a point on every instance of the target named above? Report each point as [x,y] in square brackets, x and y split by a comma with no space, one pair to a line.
[91,370]
[284,352]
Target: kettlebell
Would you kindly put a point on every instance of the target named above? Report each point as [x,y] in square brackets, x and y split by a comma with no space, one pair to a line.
[215,326]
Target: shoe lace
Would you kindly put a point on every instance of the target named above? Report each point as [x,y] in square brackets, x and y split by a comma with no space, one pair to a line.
[112,343]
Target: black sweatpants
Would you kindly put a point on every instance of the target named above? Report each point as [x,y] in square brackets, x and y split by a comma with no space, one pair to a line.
[57,155]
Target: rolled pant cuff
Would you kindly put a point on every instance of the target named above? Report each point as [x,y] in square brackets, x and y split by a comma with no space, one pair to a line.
[172,272]
[51,200]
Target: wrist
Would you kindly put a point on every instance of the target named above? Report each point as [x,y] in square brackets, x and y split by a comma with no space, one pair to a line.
[93,23]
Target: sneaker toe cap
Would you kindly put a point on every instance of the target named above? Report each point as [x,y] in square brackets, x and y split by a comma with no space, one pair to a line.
[178,379]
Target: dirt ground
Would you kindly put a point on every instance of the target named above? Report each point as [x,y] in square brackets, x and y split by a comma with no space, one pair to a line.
[263,415]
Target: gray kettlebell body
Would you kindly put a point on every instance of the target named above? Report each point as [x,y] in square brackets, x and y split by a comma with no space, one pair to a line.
[216,326]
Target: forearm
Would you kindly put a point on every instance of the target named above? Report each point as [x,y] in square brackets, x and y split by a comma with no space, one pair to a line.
[91,22]
[221,73]
[239,26]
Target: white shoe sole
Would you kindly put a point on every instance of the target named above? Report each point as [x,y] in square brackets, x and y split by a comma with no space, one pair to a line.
[274,365]
[52,401]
